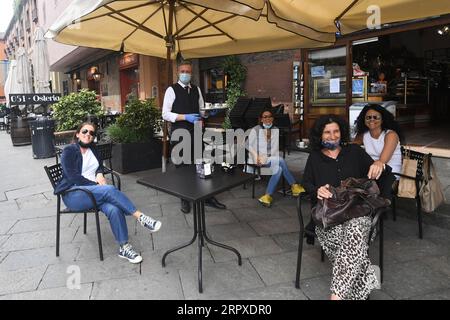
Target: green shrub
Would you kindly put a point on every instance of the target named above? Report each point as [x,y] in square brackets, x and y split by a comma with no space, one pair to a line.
[139,123]
[71,110]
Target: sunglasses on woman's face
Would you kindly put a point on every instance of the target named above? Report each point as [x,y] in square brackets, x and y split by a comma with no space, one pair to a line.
[85,131]
[368,118]
[267,117]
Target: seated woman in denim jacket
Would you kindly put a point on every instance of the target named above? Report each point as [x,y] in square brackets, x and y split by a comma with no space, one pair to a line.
[82,168]
[264,151]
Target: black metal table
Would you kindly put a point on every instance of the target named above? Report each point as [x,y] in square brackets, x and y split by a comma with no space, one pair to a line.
[185,184]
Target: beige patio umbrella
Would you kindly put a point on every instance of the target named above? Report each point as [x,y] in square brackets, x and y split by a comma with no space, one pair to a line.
[204,28]
[197,28]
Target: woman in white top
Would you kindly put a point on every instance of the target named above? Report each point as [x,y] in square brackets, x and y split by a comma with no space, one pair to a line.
[377,129]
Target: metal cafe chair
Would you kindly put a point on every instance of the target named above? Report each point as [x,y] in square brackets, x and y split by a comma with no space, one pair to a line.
[54,174]
[105,153]
[418,178]
[377,225]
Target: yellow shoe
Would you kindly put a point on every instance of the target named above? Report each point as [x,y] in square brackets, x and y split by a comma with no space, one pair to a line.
[266,200]
[297,189]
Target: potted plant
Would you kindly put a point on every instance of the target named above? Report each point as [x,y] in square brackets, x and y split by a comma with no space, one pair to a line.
[237,73]
[73,109]
[135,146]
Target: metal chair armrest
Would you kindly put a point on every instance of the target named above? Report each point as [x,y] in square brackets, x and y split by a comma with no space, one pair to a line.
[117,176]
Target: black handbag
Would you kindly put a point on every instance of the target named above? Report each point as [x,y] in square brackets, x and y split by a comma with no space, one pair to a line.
[352,199]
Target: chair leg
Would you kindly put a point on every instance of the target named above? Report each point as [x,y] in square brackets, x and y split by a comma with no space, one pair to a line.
[300,244]
[58,220]
[99,236]
[419,217]
[85,223]
[381,249]
[394,208]
[322,254]
[283,183]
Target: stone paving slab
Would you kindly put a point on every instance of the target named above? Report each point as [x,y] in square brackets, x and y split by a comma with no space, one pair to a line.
[238,203]
[145,287]
[3,239]
[258,213]
[282,291]
[28,191]
[275,226]
[439,263]
[169,240]
[91,270]
[279,268]
[220,278]
[36,201]
[289,242]
[63,293]
[20,280]
[35,213]
[40,224]
[438,295]
[6,207]
[177,260]
[247,247]
[214,218]
[32,258]
[232,231]
[317,288]
[6,225]
[32,240]
[414,278]
[3,255]
[408,249]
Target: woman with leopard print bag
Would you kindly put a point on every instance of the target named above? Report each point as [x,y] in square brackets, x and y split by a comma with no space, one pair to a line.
[331,161]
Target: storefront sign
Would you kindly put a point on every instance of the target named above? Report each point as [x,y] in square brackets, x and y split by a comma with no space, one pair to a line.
[30,99]
[128,60]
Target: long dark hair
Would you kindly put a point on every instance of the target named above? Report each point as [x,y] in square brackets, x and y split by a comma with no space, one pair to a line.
[388,122]
[315,134]
[86,123]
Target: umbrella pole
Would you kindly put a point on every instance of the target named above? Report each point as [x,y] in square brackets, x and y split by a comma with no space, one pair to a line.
[169,44]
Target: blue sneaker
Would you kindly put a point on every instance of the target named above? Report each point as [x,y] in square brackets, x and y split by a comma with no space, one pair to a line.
[126,251]
[150,223]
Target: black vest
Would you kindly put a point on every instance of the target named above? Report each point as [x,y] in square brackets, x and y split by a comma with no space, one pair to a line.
[184,104]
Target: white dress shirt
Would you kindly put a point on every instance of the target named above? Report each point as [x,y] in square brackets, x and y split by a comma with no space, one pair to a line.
[169,98]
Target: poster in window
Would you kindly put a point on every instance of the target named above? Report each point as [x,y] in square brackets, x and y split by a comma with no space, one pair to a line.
[318,71]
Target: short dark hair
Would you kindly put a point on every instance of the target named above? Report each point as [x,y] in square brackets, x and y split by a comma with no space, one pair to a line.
[315,134]
[185,63]
[388,121]
[265,110]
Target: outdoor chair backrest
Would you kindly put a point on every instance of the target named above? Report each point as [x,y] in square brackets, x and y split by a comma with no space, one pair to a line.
[54,174]
[105,151]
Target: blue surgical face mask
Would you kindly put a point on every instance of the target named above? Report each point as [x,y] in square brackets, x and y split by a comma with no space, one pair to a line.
[331,145]
[185,78]
[267,126]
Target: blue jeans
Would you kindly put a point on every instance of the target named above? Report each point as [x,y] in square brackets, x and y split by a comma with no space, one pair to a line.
[111,201]
[280,167]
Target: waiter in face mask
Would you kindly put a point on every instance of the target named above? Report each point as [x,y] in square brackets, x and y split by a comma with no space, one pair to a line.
[181,107]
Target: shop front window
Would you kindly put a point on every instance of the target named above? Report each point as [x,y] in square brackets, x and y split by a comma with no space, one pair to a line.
[214,85]
[327,76]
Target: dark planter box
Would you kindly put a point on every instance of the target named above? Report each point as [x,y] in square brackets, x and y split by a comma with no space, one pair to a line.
[131,157]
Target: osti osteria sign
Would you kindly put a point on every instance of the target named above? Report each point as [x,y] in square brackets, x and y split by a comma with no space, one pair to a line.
[38,98]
